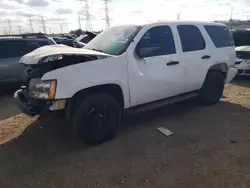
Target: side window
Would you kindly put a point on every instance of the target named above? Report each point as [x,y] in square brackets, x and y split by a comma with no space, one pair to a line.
[157,41]
[220,35]
[191,38]
[13,48]
[34,44]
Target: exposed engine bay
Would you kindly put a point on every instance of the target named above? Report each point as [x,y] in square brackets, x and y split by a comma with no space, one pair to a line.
[38,70]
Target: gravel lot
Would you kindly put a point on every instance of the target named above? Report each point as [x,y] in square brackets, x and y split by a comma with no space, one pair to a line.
[210,148]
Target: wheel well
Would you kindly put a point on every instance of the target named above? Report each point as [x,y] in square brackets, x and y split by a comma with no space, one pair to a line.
[112,89]
[222,67]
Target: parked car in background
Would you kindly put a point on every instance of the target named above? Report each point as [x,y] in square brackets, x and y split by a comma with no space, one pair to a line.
[63,40]
[82,40]
[12,48]
[132,67]
[242,43]
[242,62]
[241,37]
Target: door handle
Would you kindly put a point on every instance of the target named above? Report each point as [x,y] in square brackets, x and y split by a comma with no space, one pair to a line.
[172,63]
[206,57]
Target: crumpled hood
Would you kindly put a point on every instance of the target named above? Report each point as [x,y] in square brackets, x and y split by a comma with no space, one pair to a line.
[35,56]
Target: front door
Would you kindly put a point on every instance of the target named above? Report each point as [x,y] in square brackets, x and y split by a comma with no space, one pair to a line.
[156,71]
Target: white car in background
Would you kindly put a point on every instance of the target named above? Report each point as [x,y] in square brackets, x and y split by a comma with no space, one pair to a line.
[242,62]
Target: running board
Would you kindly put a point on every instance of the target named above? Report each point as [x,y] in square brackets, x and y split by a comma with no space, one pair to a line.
[162,103]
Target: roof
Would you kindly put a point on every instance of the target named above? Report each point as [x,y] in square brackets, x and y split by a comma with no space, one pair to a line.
[174,22]
[184,22]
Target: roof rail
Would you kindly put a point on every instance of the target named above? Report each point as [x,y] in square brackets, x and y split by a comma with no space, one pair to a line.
[26,35]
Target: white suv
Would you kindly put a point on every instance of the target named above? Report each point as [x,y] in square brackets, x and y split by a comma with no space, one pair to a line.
[128,67]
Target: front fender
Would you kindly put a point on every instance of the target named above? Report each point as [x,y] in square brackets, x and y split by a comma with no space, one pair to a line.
[74,78]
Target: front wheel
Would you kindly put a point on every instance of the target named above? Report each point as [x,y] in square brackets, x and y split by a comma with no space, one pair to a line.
[212,88]
[97,118]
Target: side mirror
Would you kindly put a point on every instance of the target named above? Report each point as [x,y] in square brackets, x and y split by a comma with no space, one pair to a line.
[138,50]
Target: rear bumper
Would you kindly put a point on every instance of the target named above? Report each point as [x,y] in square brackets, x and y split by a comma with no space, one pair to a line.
[231,73]
[28,105]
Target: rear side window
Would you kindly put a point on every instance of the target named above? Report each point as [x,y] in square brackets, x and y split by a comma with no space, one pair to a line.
[13,48]
[191,38]
[220,35]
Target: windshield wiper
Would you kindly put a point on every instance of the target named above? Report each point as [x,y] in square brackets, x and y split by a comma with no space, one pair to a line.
[97,50]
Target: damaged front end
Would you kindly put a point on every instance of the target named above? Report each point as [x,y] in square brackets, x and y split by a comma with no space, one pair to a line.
[38,95]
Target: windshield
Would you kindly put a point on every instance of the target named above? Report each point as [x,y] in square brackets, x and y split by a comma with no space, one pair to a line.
[114,40]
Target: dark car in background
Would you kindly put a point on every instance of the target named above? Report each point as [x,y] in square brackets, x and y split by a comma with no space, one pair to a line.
[83,39]
[12,48]
[242,43]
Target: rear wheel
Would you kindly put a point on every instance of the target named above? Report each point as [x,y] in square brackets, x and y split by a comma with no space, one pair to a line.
[212,88]
[97,118]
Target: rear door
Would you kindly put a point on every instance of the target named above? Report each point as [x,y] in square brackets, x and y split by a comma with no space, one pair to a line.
[195,54]
[223,43]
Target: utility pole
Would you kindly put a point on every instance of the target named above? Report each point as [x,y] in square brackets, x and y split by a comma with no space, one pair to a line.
[231,19]
[79,21]
[178,16]
[87,16]
[107,14]
[44,28]
[10,29]
[5,31]
[61,25]
[20,29]
[31,26]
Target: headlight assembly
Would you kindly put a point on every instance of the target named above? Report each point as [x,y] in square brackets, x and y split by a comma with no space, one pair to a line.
[42,89]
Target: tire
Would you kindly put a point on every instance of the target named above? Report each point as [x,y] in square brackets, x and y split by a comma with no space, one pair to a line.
[212,88]
[96,118]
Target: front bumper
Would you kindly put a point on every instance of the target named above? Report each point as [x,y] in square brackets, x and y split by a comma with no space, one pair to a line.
[32,107]
[27,104]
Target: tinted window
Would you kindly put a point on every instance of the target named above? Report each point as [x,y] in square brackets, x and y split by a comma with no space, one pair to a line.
[34,44]
[191,38]
[220,35]
[241,38]
[157,41]
[12,48]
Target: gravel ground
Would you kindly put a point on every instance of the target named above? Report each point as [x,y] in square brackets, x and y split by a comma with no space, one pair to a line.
[210,148]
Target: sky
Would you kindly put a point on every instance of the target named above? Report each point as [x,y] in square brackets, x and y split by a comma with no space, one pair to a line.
[62,15]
